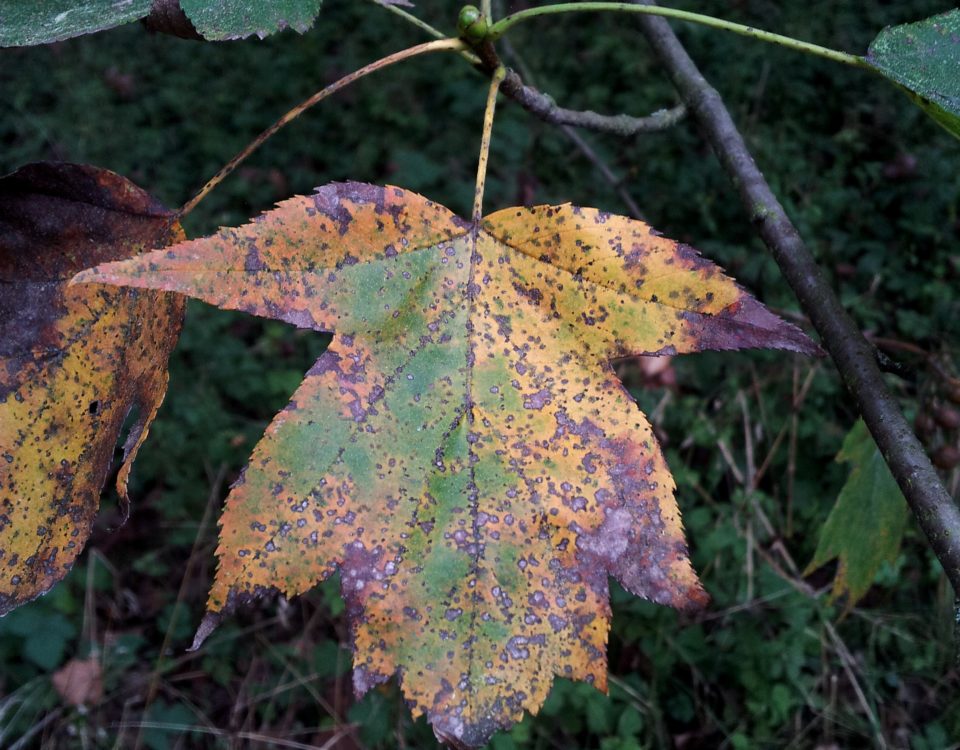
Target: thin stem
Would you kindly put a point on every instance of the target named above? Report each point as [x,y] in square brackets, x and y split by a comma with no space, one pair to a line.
[495,81]
[504,24]
[440,45]
[410,18]
[544,107]
[424,26]
[486,7]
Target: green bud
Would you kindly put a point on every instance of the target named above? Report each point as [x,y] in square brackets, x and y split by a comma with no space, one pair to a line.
[472,24]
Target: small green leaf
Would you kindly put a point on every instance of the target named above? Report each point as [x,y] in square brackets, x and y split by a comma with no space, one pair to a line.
[235,19]
[866,525]
[923,58]
[42,21]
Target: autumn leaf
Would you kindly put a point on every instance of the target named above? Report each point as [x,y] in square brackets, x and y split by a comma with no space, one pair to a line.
[74,361]
[462,453]
[865,527]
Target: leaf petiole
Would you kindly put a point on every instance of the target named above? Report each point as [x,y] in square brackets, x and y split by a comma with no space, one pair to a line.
[486,6]
[440,45]
[410,18]
[503,25]
[495,81]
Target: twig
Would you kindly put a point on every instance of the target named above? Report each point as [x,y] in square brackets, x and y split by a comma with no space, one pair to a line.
[544,107]
[439,45]
[411,19]
[936,513]
[582,145]
[650,9]
[929,358]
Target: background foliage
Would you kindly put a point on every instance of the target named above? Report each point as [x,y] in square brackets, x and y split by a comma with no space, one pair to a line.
[873,186]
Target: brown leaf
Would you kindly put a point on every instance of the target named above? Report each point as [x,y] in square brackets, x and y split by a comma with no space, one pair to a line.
[74,361]
[80,682]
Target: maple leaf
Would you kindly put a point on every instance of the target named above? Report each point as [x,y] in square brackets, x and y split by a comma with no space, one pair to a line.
[462,452]
[74,361]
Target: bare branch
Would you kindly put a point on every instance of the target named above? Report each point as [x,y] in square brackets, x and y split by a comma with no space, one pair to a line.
[582,145]
[933,507]
[544,107]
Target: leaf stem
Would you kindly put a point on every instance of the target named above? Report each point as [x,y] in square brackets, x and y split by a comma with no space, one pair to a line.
[486,7]
[504,24]
[498,75]
[410,18]
[424,26]
[440,45]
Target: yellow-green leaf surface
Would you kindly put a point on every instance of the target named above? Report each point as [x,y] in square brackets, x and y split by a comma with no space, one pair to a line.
[462,453]
[866,525]
[74,361]
[924,59]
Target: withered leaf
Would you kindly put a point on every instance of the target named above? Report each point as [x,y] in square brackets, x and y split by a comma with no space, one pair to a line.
[79,682]
[462,453]
[74,360]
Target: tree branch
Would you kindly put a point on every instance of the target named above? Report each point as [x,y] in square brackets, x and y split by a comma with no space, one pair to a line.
[544,107]
[935,510]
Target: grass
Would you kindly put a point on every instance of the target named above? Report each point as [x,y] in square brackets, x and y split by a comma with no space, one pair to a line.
[872,185]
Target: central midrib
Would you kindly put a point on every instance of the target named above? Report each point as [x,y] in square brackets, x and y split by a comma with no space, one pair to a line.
[472,295]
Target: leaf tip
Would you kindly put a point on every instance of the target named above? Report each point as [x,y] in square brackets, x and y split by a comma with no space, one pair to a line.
[210,622]
[752,325]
